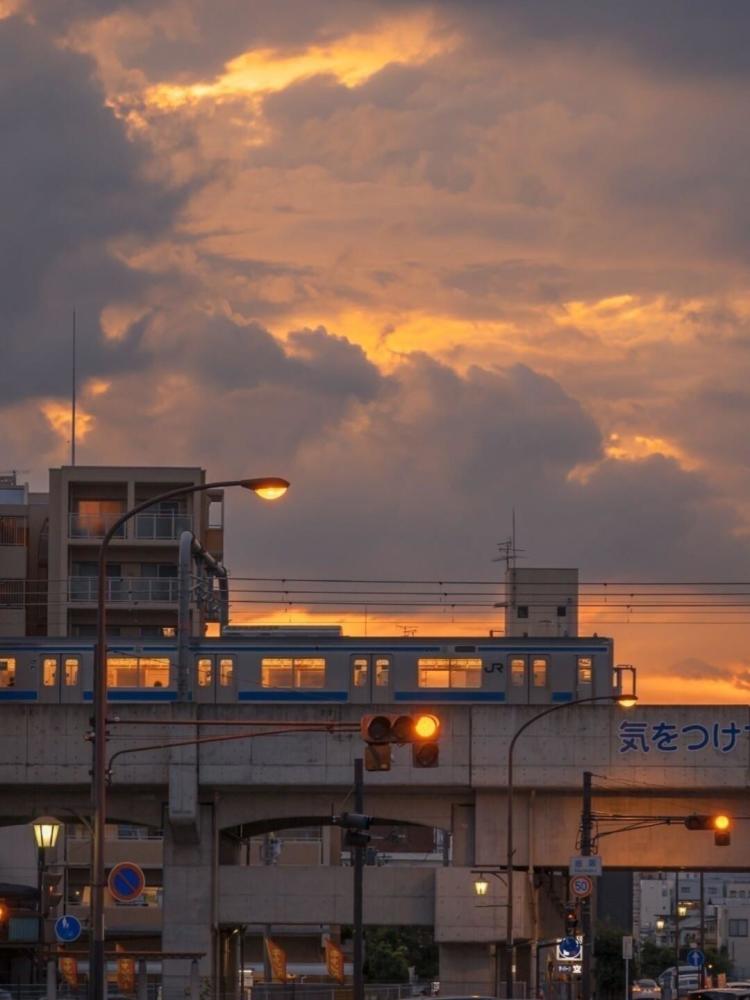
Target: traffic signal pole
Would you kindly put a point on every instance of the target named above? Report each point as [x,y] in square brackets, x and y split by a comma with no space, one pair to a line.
[586,922]
[358,864]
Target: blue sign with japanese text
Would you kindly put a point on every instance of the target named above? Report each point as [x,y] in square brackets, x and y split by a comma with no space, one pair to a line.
[666,737]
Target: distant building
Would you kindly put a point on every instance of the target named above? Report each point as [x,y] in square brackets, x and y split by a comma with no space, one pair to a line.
[541,602]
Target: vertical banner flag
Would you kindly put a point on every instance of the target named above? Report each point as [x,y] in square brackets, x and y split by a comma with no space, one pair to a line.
[334,961]
[126,975]
[277,958]
[69,970]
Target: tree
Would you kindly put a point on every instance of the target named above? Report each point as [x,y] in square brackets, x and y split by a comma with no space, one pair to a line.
[610,968]
[653,959]
[391,951]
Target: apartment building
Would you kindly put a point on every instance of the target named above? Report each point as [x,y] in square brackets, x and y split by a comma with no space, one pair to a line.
[23,558]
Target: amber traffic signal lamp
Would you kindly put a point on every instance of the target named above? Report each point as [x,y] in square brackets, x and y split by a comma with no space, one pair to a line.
[380,732]
[720,824]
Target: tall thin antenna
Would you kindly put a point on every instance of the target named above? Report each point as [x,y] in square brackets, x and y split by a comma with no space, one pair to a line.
[73,399]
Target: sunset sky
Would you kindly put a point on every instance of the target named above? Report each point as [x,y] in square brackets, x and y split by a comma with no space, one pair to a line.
[432,262]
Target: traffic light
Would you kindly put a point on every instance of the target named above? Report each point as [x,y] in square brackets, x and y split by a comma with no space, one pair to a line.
[51,894]
[381,731]
[356,826]
[571,921]
[720,824]
[4,911]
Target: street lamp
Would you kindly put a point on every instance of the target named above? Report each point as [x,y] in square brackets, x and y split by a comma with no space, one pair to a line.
[46,831]
[481,885]
[625,701]
[268,488]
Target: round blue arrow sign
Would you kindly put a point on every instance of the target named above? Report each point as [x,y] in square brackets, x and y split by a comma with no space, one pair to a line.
[569,947]
[67,929]
[695,957]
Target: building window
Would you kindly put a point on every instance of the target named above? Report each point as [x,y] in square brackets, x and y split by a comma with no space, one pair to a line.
[7,672]
[359,671]
[132,672]
[71,668]
[13,530]
[463,672]
[562,611]
[738,928]
[93,518]
[11,593]
[205,672]
[518,672]
[522,611]
[226,672]
[584,669]
[49,671]
[382,671]
[293,672]
[539,671]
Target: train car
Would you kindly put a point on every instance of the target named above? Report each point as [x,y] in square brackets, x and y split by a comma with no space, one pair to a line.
[314,666]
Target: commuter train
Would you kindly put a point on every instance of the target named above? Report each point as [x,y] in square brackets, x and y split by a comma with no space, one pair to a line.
[314,667]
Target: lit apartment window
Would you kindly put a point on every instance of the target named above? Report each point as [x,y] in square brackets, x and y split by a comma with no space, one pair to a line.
[518,672]
[72,667]
[205,672]
[7,672]
[382,671]
[293,672]
[584,669]
[359,671]
[132,672]
[12,530]
[539,671]
[226,672]
[444,672]
[49,671]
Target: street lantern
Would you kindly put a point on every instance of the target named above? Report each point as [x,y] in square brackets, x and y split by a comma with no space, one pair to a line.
[481,885]
[682,909]
[46,830]
[660,923]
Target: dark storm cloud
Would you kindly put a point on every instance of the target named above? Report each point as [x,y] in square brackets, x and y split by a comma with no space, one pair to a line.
[70,182]
[682,36]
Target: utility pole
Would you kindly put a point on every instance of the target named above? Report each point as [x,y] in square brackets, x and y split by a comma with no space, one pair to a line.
[586,824]
[358,864]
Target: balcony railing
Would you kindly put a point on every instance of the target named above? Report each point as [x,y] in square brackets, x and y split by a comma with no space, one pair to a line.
[93,525]
[161,526]
[125,589]
[13,530]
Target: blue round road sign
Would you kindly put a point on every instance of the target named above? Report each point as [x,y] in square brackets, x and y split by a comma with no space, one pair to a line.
[569,947]
[67,929]
[695,957]
[126,881]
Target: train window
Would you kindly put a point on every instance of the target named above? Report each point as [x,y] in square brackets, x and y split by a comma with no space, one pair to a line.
[359,671]
[300,672]
[205,672]
[584,669]
[71,667]
[7,672]
[131,671]
[518,672]
[226,672]
[463,672]
[539,671]
[382,671]
[49,671]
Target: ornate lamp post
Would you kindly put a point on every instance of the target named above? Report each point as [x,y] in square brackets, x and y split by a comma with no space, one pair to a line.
[46,831]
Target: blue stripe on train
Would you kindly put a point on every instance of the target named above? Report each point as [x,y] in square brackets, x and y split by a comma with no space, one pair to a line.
[453,695]
[11,694]
[562,696]
[293,695]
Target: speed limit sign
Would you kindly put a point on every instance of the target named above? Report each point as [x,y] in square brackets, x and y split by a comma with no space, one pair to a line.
[581,886]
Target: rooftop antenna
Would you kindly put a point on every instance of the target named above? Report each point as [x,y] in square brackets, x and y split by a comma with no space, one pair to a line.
[509,551]
[73,399]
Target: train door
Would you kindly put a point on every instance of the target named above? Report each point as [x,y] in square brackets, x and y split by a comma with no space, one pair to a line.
[528,679]
[59,678]
[371,679]
[215,678]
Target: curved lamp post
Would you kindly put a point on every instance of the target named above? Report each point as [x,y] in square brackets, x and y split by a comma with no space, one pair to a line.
[626,701]
[269,488]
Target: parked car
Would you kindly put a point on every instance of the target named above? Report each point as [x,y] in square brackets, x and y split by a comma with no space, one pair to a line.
[646,989]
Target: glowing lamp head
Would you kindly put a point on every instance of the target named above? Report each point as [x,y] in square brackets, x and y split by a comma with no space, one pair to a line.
[628,701]
[481,885]
[270,488]
[427,727]
[721,823]
[46,830]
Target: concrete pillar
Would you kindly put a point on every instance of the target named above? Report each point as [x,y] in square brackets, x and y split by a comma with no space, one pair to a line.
[189,899]
[467,968]
[142,984]
[195,980]
[52,979]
